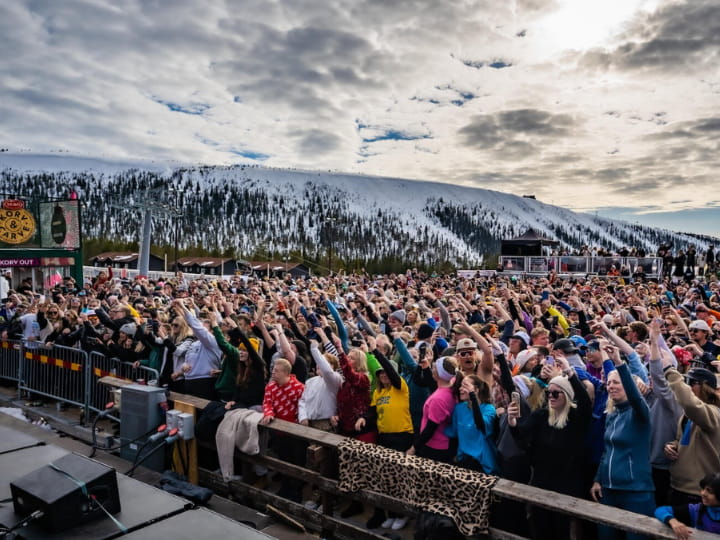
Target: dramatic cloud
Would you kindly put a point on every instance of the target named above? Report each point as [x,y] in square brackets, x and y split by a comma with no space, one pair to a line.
[605,103]
[682,35]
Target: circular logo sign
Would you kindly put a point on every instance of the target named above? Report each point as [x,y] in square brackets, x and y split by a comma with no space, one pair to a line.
[16,226]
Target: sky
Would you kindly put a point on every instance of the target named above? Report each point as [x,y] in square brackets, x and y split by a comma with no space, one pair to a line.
[608,106]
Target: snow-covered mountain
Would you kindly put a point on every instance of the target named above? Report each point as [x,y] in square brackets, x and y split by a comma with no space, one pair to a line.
[365,221]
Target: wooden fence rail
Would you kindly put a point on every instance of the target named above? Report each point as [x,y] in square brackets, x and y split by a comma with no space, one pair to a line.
[573,507]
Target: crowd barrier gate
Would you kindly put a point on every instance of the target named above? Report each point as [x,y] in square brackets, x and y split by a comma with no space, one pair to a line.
[66,374]
[10,354]
[55,372]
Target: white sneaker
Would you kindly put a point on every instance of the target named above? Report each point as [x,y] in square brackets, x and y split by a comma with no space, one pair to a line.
[310,505]
[319,509]
[399,523]
[389,522]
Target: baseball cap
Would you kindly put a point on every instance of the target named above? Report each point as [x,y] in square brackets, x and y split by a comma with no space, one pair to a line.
[566,346]
[701,375]
[465,343]
[699,325]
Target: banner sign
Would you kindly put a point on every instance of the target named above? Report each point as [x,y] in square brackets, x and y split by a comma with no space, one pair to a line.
[40,224]
[13,263]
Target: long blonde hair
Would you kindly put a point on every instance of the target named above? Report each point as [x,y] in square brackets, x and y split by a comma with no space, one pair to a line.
[183,330]
[536,397]
[559,420]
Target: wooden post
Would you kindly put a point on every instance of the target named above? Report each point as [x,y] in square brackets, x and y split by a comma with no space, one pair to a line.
[188,448]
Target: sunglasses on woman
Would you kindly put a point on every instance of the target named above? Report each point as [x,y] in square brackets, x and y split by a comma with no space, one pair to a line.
[553,393]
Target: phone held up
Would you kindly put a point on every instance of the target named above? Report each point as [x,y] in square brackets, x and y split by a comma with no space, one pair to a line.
[516,401]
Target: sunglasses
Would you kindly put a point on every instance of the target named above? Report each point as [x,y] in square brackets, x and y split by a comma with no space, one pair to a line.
[176,326]
[553,393]
[463,354]
[693,330]
[52,312]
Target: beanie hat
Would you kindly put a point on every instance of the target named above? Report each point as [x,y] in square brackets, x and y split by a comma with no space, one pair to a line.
[524,357]
[399,315]
[522,336]
[564,384]
[128,328]
[254,342]
[521,385]
[425,331]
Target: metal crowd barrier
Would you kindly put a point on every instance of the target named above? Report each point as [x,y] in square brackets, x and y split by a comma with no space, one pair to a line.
[66,374]
[55,372]
[10,355]
[570,264]
[102,366]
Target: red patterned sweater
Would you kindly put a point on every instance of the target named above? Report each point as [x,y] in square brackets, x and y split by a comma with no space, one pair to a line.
[282,401]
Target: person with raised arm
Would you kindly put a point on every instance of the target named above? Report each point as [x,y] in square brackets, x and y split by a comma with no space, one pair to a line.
[624,477]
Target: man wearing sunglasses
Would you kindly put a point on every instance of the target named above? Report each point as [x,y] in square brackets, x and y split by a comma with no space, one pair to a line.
[700,343]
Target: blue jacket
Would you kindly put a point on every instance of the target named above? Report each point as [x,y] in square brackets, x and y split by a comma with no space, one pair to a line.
[597,427]
[471,441]
[625,464]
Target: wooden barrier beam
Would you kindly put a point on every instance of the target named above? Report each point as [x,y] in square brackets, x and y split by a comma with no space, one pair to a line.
[109,380]
[587,510]
[574,507]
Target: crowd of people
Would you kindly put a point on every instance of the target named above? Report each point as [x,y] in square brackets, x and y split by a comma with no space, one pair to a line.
[600,388]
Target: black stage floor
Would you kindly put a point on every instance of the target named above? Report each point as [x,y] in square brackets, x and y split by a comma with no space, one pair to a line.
[147,512]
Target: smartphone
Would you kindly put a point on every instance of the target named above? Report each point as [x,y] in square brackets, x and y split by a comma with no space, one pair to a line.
[550,360]
[516,401]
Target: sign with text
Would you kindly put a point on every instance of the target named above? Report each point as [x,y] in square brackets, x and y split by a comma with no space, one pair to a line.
[39,224]
[14,263]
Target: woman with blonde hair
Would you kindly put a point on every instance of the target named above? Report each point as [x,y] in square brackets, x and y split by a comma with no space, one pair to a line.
[624,478]
[554,438]
[182,337]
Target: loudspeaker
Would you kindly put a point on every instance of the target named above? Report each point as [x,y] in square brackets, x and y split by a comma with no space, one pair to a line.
[68,492]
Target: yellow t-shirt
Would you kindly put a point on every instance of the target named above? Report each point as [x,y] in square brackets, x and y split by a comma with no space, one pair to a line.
[393,409]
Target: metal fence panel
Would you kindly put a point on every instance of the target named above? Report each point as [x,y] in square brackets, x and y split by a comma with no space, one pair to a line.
[55,372]
[10,355]
[652,266]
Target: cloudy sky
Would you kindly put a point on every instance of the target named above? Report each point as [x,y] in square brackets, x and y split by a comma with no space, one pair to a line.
[597,105]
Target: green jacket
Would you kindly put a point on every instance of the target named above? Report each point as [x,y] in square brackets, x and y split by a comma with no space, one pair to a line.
[226,381]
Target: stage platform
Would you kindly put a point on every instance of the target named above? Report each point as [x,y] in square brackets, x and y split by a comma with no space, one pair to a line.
[146,511]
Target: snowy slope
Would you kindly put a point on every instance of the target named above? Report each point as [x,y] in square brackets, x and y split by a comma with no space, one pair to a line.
[364,218]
